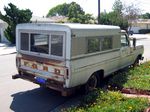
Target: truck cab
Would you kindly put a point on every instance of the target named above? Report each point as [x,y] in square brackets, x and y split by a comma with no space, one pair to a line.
[129,50]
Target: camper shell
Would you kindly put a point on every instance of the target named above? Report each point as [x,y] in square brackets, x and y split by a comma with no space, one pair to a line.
[65,56]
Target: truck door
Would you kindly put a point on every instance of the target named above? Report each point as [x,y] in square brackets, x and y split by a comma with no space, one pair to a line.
[126,53]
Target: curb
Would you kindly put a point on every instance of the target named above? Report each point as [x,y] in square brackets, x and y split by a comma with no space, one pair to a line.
[135,91]
[8,53]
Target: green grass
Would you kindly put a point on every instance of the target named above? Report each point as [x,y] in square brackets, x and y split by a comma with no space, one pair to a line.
[109,101]
[137,78]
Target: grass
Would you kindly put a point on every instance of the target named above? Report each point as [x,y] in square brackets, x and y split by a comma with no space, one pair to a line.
[109,101]
[137,78]
[114,101]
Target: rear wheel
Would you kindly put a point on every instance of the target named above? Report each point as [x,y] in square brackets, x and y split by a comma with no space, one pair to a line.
[91,84]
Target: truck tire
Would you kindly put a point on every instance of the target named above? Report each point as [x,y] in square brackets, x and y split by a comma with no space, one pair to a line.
[136,62]
[91,83]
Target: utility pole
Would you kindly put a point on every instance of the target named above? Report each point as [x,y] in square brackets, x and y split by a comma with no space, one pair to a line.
[98,11]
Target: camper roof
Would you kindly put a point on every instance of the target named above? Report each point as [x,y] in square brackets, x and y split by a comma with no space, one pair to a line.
[73,25]
[80,30]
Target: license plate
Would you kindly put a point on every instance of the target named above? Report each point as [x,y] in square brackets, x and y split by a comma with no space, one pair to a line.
[40,80]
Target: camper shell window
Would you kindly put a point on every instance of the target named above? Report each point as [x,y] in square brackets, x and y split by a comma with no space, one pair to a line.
[57,45]
[24,44]
[93,45]
[39,43]
[87,45]
[46,44]
[107,43]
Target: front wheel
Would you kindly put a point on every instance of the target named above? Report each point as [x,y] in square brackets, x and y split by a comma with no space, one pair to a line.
[136,63]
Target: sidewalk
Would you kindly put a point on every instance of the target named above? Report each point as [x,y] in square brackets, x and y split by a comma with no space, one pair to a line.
[6,49]
[139,36]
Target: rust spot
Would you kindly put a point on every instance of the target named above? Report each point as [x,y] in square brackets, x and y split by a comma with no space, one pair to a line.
[34,66]
[45,68]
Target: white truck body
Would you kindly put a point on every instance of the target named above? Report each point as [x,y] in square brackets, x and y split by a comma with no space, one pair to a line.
[70,53]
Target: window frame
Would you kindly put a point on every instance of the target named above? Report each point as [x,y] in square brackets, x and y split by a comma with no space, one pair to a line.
[20,42]
[127,40]
[101,38]
[102,44]
[64,43]
[39,34]
[92,38]
[49,44]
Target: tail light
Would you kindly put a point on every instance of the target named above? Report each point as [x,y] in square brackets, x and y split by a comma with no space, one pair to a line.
[57,71]
[18,63]
[64,72]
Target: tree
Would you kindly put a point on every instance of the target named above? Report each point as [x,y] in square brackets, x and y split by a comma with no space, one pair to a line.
[131,13]
[61,10]
[118,7]
[13,17]
[145,16]
[115,17]
[73,11]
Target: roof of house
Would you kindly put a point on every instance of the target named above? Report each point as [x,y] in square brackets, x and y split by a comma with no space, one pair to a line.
[36,19]
[142,21]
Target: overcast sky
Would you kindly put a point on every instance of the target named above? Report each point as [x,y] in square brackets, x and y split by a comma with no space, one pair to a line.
[41,7]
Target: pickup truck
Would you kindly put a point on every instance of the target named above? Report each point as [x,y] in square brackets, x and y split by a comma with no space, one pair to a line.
[64,57]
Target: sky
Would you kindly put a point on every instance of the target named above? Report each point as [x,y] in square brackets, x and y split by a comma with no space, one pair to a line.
[41,7]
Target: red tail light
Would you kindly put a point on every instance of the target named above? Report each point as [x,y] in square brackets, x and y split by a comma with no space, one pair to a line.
[57,71]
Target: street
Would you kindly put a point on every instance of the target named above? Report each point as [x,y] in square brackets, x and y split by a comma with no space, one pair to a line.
[23,96]
[145,40]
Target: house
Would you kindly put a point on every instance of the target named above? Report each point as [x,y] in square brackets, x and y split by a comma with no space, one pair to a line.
[140,24]
[36,19]
[59,19]
[3,26]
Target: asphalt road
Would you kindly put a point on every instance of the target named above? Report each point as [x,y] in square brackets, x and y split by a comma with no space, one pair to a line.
[145,40]
[23,96]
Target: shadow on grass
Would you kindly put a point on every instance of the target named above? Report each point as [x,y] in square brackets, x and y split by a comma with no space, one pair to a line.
[116,80]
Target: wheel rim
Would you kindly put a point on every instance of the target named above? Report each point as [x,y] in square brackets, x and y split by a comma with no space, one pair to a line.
[92,83]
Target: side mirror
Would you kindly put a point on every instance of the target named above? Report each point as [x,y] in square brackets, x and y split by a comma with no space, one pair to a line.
[134,42]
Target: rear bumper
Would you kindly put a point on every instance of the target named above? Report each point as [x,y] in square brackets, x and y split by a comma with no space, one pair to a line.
[48,82]
[52,84]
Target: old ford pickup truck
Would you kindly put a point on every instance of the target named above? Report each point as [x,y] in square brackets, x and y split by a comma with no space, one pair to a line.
[66,56]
